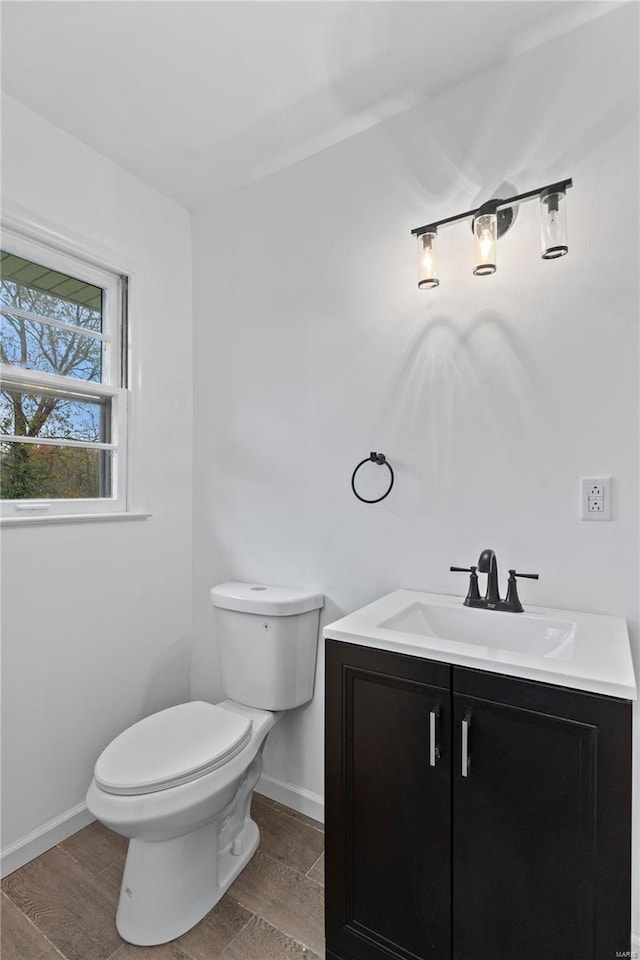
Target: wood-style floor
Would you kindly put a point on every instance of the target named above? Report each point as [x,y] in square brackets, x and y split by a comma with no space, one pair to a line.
[64,903]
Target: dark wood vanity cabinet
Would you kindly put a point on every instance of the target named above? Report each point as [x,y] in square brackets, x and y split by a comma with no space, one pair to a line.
[387,814]
[472,816]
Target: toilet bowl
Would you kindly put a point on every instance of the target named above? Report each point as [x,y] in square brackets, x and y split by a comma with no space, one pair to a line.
[179,783]
[188,840]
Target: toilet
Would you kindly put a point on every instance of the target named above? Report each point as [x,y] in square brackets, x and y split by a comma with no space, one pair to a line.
[179,783]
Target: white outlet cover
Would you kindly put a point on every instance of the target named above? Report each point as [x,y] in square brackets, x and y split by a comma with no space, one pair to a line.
[595,498]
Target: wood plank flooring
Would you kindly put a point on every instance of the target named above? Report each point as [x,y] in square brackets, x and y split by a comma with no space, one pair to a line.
[63,904]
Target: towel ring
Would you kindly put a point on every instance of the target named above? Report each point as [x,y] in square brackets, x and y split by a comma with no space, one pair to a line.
[380,459]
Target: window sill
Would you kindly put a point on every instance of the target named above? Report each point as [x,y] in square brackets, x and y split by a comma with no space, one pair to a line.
[70,518]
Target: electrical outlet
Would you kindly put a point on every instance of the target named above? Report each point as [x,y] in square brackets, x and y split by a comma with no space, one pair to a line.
[595,498]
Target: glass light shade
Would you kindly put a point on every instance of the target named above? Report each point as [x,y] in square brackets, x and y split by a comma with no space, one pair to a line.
[485,230]
[427,263]
[553,223]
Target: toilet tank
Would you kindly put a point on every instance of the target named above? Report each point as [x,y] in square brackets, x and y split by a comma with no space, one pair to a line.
[268,639]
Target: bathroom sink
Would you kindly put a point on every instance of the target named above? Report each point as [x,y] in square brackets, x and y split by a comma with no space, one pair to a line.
[538,636]
[585,651]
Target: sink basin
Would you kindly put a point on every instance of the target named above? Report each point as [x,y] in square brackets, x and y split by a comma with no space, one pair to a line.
[584,651]
[536,636]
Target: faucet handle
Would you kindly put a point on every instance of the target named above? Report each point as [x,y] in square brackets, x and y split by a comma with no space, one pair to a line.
[529,576]
[512,600]
[473,593]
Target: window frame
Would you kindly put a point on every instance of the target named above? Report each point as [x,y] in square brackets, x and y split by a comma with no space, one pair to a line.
[113,385]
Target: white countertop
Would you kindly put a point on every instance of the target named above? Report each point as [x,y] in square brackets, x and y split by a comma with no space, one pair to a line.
[593,652]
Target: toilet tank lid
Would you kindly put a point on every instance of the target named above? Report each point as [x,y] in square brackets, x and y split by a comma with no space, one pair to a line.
[264,600]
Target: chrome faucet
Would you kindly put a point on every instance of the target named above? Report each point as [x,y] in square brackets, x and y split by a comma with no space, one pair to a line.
[487,563]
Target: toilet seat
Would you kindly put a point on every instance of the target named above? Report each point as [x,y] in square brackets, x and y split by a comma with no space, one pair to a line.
[171,747]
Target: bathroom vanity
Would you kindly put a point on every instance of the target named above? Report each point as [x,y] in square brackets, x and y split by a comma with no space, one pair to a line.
[478,794]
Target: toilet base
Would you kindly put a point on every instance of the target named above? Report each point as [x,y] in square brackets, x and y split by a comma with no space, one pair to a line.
[170,885]
[188,843]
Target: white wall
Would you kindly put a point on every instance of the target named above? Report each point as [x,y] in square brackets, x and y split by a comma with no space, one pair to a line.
[490,397]
[97,616]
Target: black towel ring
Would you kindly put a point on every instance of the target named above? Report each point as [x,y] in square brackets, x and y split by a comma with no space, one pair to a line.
[380,459]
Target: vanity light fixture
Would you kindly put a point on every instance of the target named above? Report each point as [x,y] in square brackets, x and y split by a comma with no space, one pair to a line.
[427,267]
[490,221]
[485,231]
[553,214]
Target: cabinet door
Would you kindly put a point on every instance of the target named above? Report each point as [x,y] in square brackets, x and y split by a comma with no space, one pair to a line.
[387,806]
[540,856]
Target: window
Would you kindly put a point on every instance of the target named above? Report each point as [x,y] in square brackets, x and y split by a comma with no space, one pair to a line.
[63,400]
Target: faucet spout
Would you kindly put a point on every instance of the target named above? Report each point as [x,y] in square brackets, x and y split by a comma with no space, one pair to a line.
[488,564]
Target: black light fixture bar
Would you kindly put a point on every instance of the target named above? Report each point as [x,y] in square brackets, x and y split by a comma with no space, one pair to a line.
[495,205]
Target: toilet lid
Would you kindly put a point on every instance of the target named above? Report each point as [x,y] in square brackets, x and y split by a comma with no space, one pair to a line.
[171,747]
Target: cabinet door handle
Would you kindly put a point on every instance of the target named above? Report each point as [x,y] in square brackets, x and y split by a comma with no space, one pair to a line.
[434,753]
[466,763]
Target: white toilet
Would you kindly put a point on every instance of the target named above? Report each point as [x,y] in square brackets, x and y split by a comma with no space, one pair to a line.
[179,783]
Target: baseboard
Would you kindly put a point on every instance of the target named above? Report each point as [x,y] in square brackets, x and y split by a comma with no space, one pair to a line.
[15,855]
[297,798]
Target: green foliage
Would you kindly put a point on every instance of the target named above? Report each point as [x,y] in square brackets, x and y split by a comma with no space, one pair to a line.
[21,476]
[34,472]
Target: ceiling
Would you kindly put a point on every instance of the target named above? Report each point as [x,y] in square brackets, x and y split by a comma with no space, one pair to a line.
[200,98]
